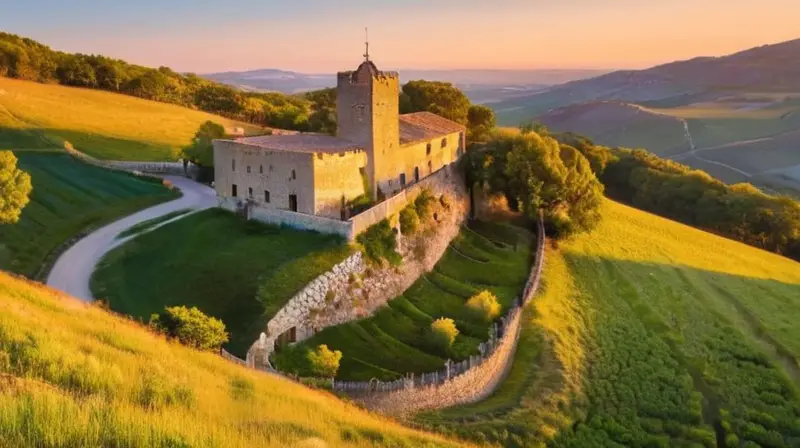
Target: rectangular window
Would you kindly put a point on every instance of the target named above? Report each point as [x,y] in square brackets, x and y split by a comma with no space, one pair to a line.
[261,169]
[428,149]
[444,142]
[266,196]
[250,192]
[234,191]
[233,164]
[248,169]
[403,179]
[293,202]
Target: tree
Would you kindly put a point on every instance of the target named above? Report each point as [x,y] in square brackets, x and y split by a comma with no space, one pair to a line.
[480,122]
[536,174]
[15,188]
[444,332]
[201,151]
[76,71]
[440,98]
[323,361]
[323,111]
[484,306]
[191,327]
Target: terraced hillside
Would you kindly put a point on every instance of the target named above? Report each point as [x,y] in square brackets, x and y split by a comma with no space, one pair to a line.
[239,271]
[651,333]
[69,197]
[74,375]
[396,339]
[102,124]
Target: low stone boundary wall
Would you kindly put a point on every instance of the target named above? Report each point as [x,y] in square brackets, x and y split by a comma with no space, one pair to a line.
[288,218]
[469,381]
[175,168]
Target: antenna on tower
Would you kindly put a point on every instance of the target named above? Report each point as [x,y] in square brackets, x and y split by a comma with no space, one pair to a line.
[366,43]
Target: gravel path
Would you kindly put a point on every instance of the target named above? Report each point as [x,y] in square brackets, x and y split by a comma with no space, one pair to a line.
[74,268]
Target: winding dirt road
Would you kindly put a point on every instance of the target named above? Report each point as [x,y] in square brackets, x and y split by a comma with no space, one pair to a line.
[74,268]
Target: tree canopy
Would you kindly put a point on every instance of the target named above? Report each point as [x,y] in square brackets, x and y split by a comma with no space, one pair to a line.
[201,151]
[15,188]
[538,174]
[440,98]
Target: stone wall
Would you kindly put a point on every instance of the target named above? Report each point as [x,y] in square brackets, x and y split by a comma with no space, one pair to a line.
[288,218]
[353,290]
[175,168]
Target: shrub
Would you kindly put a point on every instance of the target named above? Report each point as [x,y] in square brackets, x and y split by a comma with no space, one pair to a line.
[324,362]
[409,221]
[444,332]
[191,327]
[484,306]
[425,205]
[380,243]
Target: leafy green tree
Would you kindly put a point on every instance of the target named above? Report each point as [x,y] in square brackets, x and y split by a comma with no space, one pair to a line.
[324,362]
[440,98]
[444,332]
[191,327]
[201,151]
[76,71]
[538,174]
[480,122]
[484,306]
[323,111]
[15,188]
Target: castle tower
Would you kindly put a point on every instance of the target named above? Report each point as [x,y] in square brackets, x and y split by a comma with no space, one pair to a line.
[367,109]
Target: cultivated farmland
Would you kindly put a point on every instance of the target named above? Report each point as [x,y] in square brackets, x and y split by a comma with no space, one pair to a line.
[652,333]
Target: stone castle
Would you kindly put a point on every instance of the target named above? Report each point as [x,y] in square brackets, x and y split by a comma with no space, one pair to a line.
[376,152]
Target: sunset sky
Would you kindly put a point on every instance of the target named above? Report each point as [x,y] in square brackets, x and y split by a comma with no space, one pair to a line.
[327,35]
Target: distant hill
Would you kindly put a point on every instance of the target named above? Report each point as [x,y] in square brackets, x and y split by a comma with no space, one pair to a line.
[480,85]
[73,374]
[769,68]
[736,116]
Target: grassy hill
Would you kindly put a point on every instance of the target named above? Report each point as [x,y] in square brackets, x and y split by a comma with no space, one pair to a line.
[219,263]
[102,124]
[396,340]
[68,198]
[73,375]
[649,332]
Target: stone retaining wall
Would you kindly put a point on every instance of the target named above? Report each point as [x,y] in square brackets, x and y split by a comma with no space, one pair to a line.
[175,168]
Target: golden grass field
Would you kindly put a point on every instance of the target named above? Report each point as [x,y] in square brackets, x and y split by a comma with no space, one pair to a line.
[74,375]
[102,124]
[650,332]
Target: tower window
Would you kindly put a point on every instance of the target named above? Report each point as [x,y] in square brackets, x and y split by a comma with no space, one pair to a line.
[233,164]
[416,174]
[402,179]
[250,192]
[248,169]
[428,150]
[430,167]
[266,196]
[294,174]
[261,169]
[444,142]
[234,191]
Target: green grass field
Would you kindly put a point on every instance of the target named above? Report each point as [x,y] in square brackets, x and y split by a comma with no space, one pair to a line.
[650,333]
[395,340]
[74,375]
[102,124]
[219,263]
[69,197]
[150,223]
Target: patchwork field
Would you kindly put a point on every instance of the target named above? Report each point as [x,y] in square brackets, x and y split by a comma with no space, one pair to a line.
[69,197]
[219,263]
[74,375]
[101,124]
[396,340]
[650,333]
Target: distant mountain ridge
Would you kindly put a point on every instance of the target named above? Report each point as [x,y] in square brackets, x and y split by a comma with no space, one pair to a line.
[768,68]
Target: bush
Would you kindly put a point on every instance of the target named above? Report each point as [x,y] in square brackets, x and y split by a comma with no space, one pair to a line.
[484,306]
[409,221]
[444,332]
[425,205]
[380,243]
[191,327]
[324,362]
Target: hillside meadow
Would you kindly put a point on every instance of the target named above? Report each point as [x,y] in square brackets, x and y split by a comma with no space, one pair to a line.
[102,124]
[74,375]
[650,333]
[69,198]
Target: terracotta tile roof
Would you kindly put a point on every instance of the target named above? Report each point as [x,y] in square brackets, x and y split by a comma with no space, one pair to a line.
[421,126]
[309,143]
